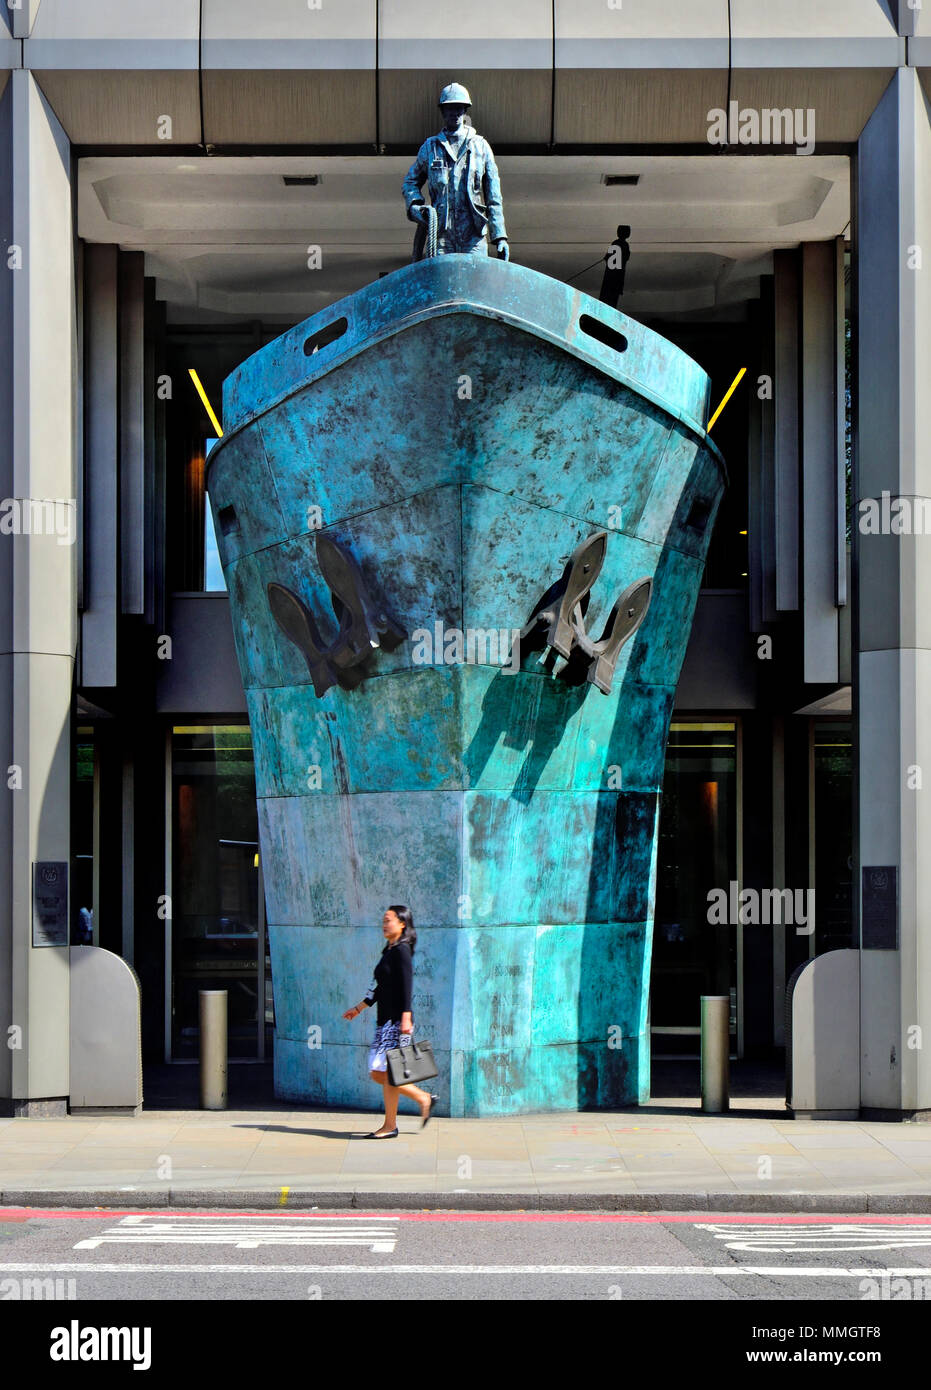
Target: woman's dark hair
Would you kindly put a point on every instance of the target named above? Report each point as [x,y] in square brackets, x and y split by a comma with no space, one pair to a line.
[405,915]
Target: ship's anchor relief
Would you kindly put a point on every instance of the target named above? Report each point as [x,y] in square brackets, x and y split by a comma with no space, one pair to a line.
[364,624]
[557,624]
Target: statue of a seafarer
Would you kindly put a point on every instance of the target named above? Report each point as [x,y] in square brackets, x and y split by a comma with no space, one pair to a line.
[514,803]
[459,168]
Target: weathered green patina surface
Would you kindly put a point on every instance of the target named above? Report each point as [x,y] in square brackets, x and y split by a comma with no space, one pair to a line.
[460,438]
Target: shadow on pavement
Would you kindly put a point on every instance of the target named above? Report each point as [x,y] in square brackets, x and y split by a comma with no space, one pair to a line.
[757,1090]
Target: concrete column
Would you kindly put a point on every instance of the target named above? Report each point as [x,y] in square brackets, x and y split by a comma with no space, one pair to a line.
[99,615]
[37,593]
[893,612]
[759,509]
[23,17]
[779,878]
[819,459]
[785,418]
[767,541]
[131,318]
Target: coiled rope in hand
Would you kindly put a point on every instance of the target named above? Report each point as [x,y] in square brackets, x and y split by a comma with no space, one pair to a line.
[431,232]
[426,236]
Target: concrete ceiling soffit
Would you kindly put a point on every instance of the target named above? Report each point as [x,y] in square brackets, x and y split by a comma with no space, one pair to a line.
[660,34]
[114,35]
[511,111]
[614,106]
[648,72]
[288,74]
[838,702]
[277,35]
[240,201]
[842,100]
[807,205]
[119,71]
[593,106]
[105,107]
[316,107]
[813,33]
[271,281]
[646,34]
[86,709]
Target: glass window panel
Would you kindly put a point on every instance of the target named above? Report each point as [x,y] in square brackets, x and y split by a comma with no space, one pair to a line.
[833,773]
[82,839]
[697,852]
[214,580]
[215,883]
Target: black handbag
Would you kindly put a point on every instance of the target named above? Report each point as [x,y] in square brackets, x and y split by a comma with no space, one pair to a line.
[410,1064]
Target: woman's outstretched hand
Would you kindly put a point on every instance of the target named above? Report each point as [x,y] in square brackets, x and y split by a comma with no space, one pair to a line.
[351,1013]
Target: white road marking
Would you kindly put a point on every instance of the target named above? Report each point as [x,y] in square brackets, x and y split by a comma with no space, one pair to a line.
[778,1271]
[245,1233]
[807,1238]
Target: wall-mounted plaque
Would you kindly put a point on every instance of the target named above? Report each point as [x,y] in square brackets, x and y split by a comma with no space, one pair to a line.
[49,903]
[879,916]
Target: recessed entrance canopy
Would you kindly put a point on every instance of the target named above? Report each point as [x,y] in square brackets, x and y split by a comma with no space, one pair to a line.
[235,237]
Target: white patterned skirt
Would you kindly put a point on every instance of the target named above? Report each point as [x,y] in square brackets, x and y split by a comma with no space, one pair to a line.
[387,1035]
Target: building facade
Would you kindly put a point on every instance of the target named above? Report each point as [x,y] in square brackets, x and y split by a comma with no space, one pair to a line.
[178,185]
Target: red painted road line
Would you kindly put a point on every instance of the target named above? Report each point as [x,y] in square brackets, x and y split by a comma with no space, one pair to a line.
[648,1218]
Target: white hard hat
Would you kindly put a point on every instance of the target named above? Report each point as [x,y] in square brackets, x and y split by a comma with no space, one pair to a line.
[456,94]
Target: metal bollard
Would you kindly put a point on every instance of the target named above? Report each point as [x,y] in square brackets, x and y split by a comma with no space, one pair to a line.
[715,1053]
[213,1049]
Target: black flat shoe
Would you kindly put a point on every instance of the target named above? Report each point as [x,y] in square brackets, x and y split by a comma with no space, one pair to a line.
[429,1115]
[392,1134]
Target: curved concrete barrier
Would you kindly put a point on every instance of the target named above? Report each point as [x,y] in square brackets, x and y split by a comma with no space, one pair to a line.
[823,1076]
[106,1047]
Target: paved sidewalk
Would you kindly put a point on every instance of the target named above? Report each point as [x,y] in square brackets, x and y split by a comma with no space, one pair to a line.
[663,1156]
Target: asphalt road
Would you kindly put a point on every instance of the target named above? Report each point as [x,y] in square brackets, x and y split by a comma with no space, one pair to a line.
[511,1256]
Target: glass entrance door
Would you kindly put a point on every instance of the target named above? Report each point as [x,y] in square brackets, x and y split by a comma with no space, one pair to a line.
[218,937]
[697,852]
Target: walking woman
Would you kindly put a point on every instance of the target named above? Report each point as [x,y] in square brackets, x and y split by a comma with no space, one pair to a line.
[391,989]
